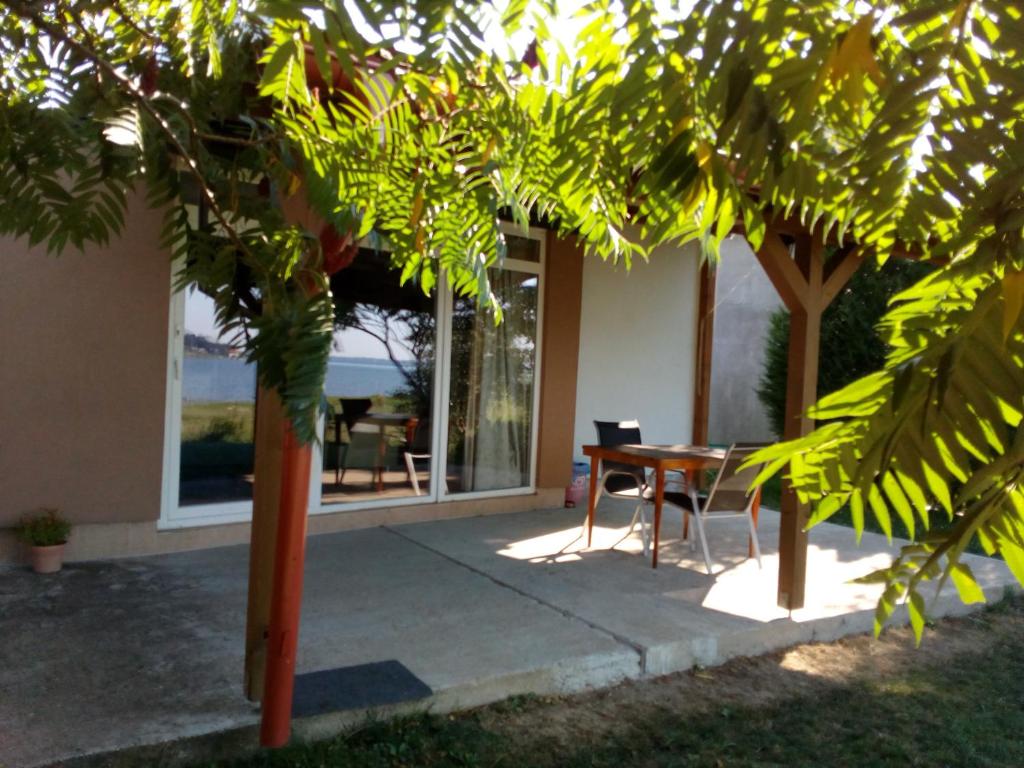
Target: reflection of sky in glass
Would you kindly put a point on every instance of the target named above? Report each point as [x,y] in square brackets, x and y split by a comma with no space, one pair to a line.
[352,342]
[200,319]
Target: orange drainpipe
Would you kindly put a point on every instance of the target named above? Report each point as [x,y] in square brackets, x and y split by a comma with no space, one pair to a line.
[286,601]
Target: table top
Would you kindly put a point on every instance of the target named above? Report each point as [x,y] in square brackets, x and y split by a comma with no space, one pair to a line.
[381,418]
[388,418]
[668,456]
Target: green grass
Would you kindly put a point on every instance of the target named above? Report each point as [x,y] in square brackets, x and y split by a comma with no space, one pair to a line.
[961,706]
[232,420]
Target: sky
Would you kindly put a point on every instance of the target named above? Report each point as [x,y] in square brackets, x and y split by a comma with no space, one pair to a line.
[200,320]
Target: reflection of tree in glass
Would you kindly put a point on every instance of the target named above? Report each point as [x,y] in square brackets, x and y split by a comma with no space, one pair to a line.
[478,346]
[407,336]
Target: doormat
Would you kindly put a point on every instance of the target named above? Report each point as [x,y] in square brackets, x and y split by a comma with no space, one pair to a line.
[358,687]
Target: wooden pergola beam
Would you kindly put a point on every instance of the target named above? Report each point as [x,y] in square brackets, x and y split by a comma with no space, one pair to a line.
[782,271]
[838,272]
[791,226]
[806,285]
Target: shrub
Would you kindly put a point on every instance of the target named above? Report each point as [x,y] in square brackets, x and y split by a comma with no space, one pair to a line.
[223,429]
[44,528]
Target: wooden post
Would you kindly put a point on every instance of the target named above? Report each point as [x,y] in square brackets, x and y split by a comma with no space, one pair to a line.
[705,336]
[702,377]
[801,392]
[286,600]
[266,498]
[806,287]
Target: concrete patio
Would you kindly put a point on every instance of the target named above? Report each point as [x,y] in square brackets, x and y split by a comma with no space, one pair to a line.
[118,654]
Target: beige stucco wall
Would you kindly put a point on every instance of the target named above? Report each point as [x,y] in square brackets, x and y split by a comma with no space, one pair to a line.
[560,357]
[638,345]
[83,359]
[131,539]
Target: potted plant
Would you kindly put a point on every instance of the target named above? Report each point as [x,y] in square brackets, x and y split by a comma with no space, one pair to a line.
[46,532]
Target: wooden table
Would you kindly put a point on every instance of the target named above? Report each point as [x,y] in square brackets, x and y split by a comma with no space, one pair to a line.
[381,421]
[660,458]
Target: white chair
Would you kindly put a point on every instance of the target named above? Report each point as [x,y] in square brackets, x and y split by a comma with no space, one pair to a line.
[417,450]
[730,497]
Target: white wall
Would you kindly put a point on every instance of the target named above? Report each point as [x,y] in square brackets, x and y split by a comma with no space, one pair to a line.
[637,346]
[744,301]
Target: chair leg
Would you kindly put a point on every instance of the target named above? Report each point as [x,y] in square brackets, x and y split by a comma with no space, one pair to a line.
[638,516]
[703,543]
[753,538]
[633,521]
[339,470]
[686,526]
[410,467]
[645,530]
[586,515]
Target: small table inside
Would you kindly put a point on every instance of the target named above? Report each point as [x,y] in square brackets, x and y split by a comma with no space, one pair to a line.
[660,458]
[382,421]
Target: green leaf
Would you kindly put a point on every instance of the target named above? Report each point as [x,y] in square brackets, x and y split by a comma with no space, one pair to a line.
[966,584]
[916,610]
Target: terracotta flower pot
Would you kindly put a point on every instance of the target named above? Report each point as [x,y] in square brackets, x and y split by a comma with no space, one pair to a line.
[47,559]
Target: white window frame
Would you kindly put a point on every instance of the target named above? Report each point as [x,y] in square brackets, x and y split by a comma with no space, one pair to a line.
[430,497]
[173,515]
[441,439]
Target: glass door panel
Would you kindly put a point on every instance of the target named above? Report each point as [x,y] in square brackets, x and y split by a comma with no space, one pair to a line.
[491,388]
[379,388]
[218,398]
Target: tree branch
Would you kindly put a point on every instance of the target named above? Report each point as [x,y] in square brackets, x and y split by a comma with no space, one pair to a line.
[136,94]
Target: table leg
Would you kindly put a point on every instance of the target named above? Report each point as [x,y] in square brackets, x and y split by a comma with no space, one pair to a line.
[755,507]
[659,499]
[381,453]
[337,449]
[595,465]
[686,517]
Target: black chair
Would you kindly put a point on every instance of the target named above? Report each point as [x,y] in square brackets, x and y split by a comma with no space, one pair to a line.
[352,410]
[624,481]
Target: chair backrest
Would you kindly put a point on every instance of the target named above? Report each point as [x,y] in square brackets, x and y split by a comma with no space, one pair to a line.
[611,433]
[420,437]
[731,490]
[353,409]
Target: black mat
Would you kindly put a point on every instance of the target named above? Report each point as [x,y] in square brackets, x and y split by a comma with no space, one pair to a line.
[358,687]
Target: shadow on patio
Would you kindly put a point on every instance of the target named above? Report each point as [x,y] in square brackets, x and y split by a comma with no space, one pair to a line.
[114,654]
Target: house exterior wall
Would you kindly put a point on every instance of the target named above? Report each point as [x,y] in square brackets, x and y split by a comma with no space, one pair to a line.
[744,301]
[637,345]
[560,358]
[83,371]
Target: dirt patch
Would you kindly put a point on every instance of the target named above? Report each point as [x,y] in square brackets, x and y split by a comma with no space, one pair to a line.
[564,723]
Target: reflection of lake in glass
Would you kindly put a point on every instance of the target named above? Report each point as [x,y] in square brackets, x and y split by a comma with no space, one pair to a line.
[213,379]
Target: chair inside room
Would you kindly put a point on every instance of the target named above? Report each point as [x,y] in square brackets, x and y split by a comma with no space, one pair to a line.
[352,410]
[730,497]
[417,449]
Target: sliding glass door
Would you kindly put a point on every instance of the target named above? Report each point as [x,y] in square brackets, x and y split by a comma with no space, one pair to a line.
[377,438]
[426,398]
[492,380]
